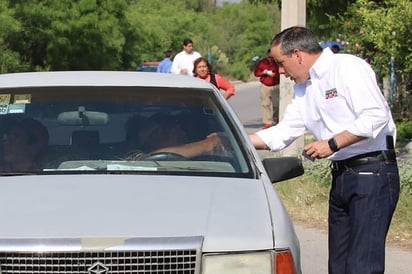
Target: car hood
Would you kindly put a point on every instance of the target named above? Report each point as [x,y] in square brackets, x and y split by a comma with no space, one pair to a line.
[230,213]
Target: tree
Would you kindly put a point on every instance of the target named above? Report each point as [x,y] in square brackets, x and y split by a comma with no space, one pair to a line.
[381,30]
[232,33]
[9,59]
[67,35]
[243,31]
[317,14]
[374,29]
[119,34]
[164,25]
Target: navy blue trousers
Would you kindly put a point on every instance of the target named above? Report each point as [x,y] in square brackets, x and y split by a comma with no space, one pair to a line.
[361,204]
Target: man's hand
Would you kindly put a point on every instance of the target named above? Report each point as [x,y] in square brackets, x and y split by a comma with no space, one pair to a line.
[220,143]
[318,149]
[321,149]
[268,73]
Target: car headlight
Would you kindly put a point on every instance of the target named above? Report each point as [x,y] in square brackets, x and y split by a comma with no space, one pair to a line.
[244,263]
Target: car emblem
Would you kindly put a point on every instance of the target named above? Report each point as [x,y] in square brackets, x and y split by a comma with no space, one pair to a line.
[98,268]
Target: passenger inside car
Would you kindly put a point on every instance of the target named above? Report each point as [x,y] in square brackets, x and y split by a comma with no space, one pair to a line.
[24,142]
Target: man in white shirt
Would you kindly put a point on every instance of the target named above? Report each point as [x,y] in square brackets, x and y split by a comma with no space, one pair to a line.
[183,61]
[337,99]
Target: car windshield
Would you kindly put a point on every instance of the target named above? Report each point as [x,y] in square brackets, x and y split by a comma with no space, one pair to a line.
[117,130]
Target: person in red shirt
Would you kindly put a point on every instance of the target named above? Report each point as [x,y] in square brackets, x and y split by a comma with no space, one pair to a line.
[268,72]
[202,69]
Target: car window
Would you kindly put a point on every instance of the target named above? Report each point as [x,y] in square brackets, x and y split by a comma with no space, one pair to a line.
[117,130]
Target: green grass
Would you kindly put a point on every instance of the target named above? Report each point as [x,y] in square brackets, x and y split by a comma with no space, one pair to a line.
[306,199]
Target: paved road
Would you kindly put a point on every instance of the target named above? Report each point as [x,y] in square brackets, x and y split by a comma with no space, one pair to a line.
[246,104]
[313,244]
[313,241]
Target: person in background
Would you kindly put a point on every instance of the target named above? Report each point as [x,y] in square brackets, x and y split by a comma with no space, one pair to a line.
[166,64]
[354,129]
[183,61]
[335,48]
[203,70]
[268,72]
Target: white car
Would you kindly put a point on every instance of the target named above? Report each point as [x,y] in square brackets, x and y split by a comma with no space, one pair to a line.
[134,172]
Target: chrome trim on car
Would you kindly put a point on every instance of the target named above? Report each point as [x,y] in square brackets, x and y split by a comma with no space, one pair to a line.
[101,255]
[98,268]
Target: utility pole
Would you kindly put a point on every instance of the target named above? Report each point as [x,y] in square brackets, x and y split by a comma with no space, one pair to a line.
[293,13]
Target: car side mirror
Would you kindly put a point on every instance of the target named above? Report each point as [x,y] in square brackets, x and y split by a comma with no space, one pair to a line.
[283,168]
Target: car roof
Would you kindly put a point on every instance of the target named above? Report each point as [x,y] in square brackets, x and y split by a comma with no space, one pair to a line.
[100,78]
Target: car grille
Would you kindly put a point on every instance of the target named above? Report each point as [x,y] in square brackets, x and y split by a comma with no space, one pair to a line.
[167,261]
[175,261]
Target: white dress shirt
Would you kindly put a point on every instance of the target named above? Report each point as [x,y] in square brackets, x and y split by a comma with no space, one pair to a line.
[341,94]
[184,60]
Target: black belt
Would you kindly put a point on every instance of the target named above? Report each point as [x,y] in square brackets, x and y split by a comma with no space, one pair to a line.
[364,159]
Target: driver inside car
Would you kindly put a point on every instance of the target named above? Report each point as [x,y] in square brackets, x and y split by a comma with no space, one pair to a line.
[163,134]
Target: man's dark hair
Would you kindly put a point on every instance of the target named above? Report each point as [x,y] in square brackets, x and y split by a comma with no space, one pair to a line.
[335,48]
[187,41]
[296,37]
[168,53]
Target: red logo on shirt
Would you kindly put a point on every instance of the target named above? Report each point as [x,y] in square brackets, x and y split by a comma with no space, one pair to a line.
[331,93]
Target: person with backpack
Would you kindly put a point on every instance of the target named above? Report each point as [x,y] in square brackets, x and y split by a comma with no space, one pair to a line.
[203,70]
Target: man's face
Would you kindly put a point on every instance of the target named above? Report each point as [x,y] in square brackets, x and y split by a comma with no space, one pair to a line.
[188,48]
[290,65]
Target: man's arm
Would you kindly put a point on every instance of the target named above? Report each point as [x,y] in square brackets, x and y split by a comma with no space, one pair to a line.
[259,69]
[175,65]
[257,142]
[207,145]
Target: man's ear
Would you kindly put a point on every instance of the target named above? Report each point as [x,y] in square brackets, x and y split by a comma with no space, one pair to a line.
[298,55]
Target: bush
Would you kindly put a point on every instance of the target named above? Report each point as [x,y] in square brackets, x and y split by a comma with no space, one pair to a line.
[404,130]
[241,72]
[405,173]
[319,172]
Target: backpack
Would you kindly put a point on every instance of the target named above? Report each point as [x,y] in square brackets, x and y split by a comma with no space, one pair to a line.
[213,80]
